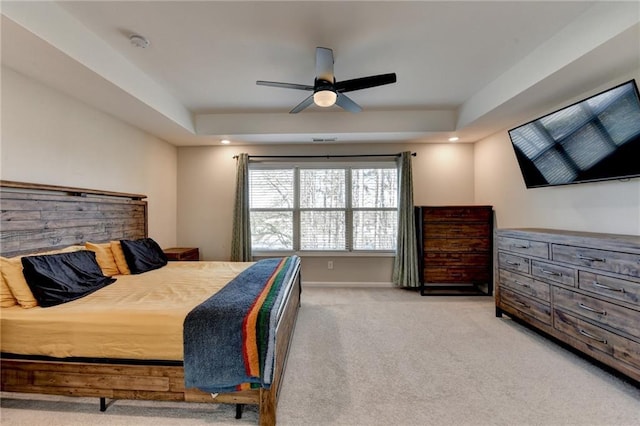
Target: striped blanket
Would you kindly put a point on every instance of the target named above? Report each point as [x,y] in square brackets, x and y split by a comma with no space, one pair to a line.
[229,339]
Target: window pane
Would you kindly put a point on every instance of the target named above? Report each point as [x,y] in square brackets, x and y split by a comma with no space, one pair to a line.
[322,188]
[374,187]
[272,230]
[374,230]
[271,188]
[322,230]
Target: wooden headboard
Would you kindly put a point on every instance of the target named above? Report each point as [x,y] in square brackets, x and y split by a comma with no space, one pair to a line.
[37,218]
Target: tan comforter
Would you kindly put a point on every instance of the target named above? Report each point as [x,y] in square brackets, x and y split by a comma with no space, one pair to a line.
[137,317]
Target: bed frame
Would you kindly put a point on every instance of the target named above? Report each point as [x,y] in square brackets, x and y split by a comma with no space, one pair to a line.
[38,217]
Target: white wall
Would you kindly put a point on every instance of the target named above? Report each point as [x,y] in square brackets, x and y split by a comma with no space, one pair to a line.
[50,138]
[443,174]
[610,207]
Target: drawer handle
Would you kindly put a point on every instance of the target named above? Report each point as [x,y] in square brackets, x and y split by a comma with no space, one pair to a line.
[591,259]
[512,263]
[554,273]
[522,284]
[523,304]
[520,246]
[592,337]
[606,287]
[590,309]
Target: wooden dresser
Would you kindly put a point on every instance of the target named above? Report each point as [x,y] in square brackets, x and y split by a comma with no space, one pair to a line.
[455,249]
[581,288]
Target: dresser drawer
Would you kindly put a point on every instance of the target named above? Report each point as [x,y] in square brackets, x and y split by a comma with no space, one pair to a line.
[596,338]
[457,230]
[525,285]
[514,263]
[456,244]
[480,260]
[435,274]
[557,273]
[527,247]
[458,213]
[612,288]
[604,260]
[604,313]
[528,306]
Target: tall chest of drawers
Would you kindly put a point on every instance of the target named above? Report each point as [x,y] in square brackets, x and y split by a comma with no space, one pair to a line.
[455,249]
[581,288]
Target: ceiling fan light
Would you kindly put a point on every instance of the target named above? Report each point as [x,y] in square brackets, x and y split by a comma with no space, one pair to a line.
[325,98]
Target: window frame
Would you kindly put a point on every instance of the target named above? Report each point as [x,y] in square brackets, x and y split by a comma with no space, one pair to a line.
[349,210]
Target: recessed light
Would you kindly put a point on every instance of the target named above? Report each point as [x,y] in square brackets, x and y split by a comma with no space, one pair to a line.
[225,141]
[454,139]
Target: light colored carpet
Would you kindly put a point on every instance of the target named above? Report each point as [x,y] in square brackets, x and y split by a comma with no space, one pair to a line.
[392,357]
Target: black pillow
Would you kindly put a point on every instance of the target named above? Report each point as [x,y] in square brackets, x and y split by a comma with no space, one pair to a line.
[59,278]
[143,255]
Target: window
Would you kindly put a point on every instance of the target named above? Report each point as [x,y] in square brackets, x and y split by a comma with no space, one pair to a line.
[324,207]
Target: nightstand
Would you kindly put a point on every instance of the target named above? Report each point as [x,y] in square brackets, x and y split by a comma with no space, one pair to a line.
[182,253]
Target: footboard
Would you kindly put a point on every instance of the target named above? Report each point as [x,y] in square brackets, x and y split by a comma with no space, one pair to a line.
[284,335]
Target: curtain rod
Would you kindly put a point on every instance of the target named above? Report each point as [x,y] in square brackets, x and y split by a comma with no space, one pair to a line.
[413,154]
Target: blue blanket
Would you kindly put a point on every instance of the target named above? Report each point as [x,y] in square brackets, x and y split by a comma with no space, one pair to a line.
[229,339]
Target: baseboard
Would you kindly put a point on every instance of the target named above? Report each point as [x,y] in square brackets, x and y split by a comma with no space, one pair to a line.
[352,284]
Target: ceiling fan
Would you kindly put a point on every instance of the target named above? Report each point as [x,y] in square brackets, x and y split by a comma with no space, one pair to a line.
[326,90]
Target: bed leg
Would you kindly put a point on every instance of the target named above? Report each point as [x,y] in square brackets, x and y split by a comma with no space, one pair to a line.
[239,408]
[268,402]
[103,404]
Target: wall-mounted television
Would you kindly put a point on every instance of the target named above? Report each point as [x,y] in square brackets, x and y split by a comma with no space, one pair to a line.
[595,139]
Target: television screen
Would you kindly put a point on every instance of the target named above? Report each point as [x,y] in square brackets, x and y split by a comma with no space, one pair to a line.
[595,139]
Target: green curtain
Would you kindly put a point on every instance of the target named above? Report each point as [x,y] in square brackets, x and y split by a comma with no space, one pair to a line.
[241,233]
[405,266]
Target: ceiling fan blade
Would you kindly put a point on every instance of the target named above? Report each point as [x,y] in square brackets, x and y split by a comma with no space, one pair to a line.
[365,82]
[346,103]
[284,85]
[302,105]
[324,64]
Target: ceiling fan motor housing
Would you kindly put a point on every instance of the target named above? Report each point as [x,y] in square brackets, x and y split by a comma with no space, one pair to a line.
[320,84]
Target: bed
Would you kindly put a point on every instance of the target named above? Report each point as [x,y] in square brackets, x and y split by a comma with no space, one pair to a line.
[174,307]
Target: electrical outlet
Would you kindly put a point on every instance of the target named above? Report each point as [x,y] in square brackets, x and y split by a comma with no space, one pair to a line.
[330,264]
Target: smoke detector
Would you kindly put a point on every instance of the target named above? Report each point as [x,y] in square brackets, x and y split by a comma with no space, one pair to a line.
[139,41]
